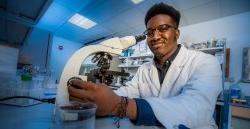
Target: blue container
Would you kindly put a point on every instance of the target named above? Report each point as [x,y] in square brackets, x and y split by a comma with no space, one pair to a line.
[235,91]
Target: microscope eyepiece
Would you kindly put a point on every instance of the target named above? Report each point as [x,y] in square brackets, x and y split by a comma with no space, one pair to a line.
[139,38]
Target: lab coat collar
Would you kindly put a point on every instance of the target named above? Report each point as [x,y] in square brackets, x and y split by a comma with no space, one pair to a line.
[169,60]
[174,71]
[172,74]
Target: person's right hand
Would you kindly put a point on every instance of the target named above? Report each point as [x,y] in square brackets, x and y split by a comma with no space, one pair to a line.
[100,94]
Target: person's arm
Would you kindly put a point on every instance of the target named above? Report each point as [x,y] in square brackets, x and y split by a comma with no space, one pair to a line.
[138,110]
[145,114]
[105,99]
[194,106]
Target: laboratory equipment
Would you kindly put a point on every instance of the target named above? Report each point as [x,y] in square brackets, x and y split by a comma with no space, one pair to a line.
[75,115]
[113,46]
[235,91]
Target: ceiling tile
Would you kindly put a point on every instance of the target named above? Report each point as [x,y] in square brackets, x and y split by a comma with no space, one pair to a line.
[139,29]
[75,5]
[17,33]
[98,30]
[92,5]
[3,4]
[54,17]
[187,4]
[183,21]
[145,5]
[12,6]
[80,35]
[72,32]
[105,10]
[231,7]
[131,17]
[202,13]
[18,7]
[3,31]
[31,8]
[114,25]
[69,29]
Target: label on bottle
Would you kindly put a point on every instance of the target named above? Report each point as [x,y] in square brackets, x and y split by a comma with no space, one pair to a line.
[235,93]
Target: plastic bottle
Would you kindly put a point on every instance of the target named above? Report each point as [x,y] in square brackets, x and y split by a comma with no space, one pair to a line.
[235,91]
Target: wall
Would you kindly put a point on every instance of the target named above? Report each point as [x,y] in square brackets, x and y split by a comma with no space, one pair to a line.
[35,49]
[8,61]
[236,29]
[58,58]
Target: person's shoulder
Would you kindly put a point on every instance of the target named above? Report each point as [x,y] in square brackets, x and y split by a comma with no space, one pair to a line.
[194,54]
[201,57]
[206,56]
[198,54]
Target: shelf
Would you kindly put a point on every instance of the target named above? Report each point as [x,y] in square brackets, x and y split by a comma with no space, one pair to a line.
[88,65]
[142,56]
[123,57]
[212,50]
[129,66]
[139,56]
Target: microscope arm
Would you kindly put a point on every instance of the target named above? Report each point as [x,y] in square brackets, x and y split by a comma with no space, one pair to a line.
[72,67]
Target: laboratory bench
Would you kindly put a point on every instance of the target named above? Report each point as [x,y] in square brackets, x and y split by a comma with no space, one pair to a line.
[224,113]
[240,111]
[40,117]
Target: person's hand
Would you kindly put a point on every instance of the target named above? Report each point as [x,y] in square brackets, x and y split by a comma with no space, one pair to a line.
[105,99]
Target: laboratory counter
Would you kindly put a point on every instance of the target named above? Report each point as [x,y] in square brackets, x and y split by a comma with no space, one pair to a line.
[41,117]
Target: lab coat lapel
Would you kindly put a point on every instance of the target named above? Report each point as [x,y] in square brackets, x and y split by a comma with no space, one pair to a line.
[173,72]
[154,80]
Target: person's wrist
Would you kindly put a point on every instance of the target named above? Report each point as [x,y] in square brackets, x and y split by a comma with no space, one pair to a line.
[115,106]
[131,109]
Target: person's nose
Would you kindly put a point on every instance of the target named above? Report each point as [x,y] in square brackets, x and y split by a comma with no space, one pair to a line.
[156,35]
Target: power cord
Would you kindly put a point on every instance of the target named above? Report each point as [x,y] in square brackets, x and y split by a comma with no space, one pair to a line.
[47,100]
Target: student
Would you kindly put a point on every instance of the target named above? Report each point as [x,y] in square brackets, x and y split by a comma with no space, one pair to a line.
[179,87]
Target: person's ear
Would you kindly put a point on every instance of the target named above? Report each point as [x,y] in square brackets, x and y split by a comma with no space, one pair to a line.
[177,34]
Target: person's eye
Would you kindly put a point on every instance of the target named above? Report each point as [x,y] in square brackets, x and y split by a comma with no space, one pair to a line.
[163,28]
[150,32]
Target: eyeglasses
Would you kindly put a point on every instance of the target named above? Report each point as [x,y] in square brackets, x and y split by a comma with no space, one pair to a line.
[161,28]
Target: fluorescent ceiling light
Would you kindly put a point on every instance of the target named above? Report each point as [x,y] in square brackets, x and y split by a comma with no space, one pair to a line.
[81,21]
[136,1]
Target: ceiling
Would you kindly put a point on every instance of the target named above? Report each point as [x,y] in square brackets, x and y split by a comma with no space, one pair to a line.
[18,18]
[113,17]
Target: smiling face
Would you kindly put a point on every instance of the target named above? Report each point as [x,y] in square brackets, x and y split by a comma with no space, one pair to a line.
[162,41]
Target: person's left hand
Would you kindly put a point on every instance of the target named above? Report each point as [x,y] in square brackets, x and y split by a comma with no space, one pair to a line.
[100,94]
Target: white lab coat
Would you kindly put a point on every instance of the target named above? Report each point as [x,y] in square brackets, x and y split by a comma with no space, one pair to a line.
[188,93]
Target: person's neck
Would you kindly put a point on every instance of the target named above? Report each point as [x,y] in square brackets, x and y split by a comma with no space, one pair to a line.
[163,58]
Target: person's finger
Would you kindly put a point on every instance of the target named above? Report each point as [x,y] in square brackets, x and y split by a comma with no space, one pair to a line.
[79,93]
[83,84]
[83,100]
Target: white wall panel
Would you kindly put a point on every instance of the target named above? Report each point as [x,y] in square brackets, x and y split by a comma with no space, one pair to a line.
[8,61]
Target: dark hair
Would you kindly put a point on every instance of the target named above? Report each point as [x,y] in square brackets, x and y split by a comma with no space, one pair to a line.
[162,8]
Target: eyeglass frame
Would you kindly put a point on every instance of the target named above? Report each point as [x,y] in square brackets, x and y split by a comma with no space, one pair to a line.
[157,28]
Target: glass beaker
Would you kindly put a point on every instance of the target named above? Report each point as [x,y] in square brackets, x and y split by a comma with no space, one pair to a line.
[75,115]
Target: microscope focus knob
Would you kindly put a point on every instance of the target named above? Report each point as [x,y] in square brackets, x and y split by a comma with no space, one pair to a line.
[69,83]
